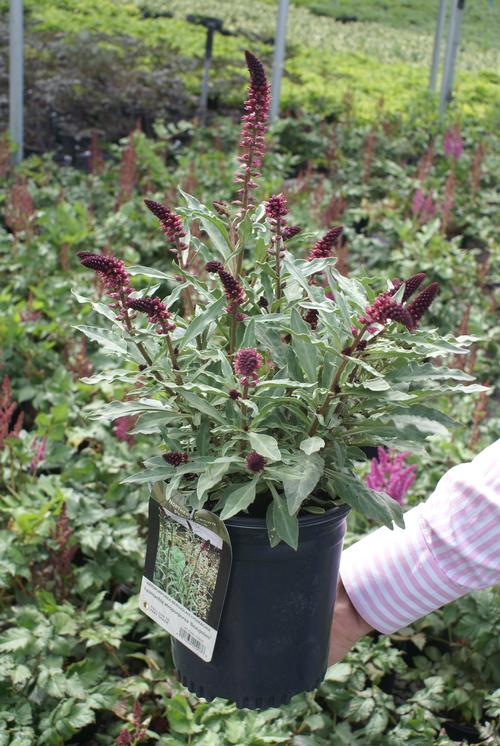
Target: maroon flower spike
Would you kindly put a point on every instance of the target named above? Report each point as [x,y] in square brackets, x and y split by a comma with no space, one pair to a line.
[170,222]
[324,247]
[397,312]
[113,275]
[234,394]
[124,738]
[110,269]
[233,290]
[253,128]
[157,312]
[423,301]
[276,207]
[213,267]
[412,284]
[384,308]
[263,302]
[290,231]
[221,207]
[255,462]
[395,285]
[312,318]
[246,363]
[175,458]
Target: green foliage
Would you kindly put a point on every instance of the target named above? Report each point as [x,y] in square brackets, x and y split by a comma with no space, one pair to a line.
[77,653]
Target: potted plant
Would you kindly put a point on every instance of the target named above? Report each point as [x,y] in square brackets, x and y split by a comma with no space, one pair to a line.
[260,377]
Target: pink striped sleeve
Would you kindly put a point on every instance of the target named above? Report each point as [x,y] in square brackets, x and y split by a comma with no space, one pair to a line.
[450,546]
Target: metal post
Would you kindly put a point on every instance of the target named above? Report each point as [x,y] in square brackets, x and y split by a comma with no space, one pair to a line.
[279,56]
[437,43]
[16,77]
[206,72]
[452,45]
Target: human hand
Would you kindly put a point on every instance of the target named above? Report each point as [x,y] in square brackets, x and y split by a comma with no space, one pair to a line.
[347,626]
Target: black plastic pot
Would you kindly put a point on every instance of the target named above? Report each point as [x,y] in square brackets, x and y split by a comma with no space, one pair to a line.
[274,631]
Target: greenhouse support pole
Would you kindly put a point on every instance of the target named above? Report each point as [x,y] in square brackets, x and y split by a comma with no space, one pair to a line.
[437,43]
[453,42]
[16,77]
[278,61]
[206,74]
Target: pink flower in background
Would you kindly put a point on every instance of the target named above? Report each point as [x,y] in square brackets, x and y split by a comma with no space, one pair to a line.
[389,473]
[453,145]
[423,206]
[9,426]
[39,448]
[121,427]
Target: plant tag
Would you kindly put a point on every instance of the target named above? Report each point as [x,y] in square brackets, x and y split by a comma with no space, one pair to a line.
[188,561]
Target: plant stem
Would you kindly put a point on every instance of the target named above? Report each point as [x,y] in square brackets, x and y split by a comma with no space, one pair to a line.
[173,356]
[145,354]
[277,248]
[186,294]
[120,665]
[232,337]
[244,423]
[334,386]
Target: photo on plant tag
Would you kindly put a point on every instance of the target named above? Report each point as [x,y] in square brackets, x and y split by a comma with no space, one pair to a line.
[187,562]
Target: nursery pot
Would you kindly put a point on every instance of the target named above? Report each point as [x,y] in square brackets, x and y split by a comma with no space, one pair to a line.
[274,632]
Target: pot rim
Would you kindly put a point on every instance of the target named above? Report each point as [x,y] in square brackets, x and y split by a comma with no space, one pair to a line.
[257,524]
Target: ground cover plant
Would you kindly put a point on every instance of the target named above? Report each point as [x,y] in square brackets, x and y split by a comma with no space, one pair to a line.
[79,662]
[327,62]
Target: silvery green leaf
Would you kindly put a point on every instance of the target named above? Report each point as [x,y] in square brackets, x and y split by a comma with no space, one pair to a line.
[265,445]
[109,342]
[156,274]
[212,224]
[376,384]
[210,478]
[426,372]
[311,445]
[285,383]
[351,288]
[302,345]
[376,505]
[296,490]
[286,525]
[238,498]
[422,424]
[99,308]
[341,304]
[202,321]
[149,475]
[201,405]
[100,411]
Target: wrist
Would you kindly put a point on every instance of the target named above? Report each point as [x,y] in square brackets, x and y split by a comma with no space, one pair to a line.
[359,626]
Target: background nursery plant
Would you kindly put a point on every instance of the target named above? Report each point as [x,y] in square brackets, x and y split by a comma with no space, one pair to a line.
[266,374]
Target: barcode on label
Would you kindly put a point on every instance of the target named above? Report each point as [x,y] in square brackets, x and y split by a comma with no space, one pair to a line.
[188,637]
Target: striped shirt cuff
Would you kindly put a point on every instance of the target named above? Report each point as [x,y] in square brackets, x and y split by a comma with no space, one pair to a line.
[392,578]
